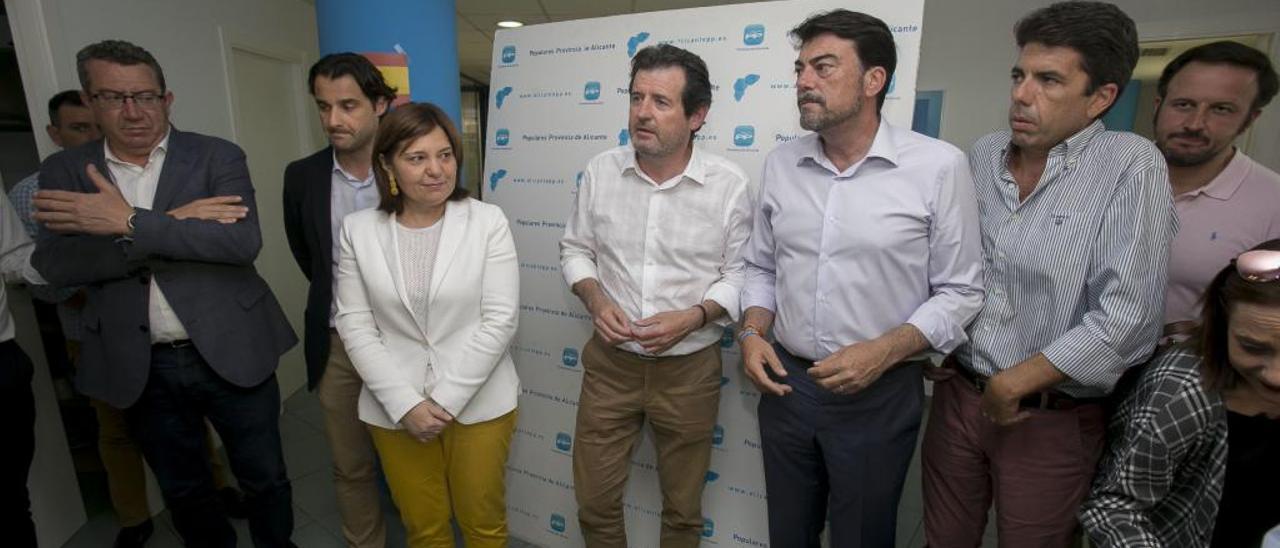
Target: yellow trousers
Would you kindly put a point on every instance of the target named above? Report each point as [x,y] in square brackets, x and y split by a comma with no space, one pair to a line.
[458,474]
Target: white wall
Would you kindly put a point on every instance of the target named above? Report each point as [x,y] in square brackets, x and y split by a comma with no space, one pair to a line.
[968,48]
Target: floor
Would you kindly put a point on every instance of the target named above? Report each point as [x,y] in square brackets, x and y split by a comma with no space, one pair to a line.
[316,519]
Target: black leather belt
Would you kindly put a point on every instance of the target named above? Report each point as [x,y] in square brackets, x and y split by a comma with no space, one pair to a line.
[180,343]
[1049,399]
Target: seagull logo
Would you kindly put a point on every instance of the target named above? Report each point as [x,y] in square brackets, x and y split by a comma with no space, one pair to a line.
[501,97]
[495,177]
[634,42]
[741,84]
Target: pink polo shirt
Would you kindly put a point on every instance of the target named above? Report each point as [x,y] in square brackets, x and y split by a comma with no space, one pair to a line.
[1238,209]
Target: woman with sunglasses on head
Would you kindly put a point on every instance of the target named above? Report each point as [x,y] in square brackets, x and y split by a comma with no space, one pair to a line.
[1194,444]
[427,289]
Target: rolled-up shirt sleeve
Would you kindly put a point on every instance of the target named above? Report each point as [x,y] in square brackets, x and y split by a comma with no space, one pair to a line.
[578,245]
[955,260]
[727,289]
[759,266]
[1126,284]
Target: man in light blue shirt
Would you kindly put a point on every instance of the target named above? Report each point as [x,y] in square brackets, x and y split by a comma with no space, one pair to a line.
[866,250]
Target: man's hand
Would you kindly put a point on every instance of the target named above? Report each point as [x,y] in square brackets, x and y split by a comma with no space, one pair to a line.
[105,212]
[610,322]
[1000,401]
[223,209]
[853,367]
[663,330]
[757,354]
[426,420]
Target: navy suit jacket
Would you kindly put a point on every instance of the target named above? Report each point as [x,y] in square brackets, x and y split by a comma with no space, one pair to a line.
[307,186]
[205,269]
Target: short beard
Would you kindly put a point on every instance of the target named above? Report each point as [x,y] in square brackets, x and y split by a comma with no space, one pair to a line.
[826,119]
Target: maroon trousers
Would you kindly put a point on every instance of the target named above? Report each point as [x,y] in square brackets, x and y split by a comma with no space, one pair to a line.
[1037,471]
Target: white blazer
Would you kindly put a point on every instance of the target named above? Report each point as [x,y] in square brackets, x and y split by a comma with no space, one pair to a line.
[461,361]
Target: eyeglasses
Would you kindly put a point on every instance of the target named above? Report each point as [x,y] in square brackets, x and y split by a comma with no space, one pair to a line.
[115,99]
[1260,265]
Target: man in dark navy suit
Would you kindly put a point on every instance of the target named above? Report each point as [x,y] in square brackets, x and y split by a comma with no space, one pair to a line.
[178,327]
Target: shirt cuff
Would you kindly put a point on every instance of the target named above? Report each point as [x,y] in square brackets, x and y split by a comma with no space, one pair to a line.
[1085,359]
[943,335]
[727,297]
[576,269]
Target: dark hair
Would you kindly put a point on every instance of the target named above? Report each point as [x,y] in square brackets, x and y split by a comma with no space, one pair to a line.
[359,68]
[68,97]
[118,52]
[1226,53]
[398,130]
[871,39]
[1104,36]
[1226,290]
[697,81]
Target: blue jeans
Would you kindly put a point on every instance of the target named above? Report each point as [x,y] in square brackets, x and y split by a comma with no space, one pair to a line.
[168,421]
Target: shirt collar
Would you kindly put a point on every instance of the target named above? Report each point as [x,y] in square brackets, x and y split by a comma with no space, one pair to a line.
[1071,148]
[695,170]
[1225,185]
[346,175]
[161,148]
[883,146]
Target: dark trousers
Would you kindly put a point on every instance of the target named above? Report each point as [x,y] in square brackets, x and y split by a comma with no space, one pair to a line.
[18,417]
[168,423]
[838,457]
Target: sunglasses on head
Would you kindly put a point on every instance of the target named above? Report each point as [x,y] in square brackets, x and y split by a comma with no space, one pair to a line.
[1261,265]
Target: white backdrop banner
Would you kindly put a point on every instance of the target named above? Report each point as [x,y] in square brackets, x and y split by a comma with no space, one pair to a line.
[559,97]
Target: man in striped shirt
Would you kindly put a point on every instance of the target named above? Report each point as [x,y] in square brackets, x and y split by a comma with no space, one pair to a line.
[1076,224]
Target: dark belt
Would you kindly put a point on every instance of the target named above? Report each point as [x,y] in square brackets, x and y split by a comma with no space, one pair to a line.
[180,343]
[1048,399]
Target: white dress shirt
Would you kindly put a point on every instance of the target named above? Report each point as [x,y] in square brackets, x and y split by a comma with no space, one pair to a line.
[138,185]
[661,246]
[347,194]
[844,256]
[15,261]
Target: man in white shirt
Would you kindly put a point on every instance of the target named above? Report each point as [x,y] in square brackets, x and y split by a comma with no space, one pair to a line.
[866,250]
[651,248]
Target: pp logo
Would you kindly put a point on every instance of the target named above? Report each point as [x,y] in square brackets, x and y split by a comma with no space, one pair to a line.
[591,91]
[495,177]
[893,83]
[624,137]
[634,42]
[557,523]
[508,55]
[712,476]
[741,84]
[708,528]
[564,442]
[502,138]
[753,35]
[717,436]
[501,96]
[569,357]
[744,136]
[726,337]
[577,182]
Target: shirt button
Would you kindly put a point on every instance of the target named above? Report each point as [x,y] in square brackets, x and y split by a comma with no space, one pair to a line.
[1013,217]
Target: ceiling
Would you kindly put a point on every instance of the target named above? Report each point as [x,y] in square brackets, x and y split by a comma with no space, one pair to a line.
[478,20]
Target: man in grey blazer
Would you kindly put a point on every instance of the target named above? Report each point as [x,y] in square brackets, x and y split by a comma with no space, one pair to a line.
[178,326]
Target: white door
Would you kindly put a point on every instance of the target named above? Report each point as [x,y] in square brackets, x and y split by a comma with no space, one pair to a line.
[269,97]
